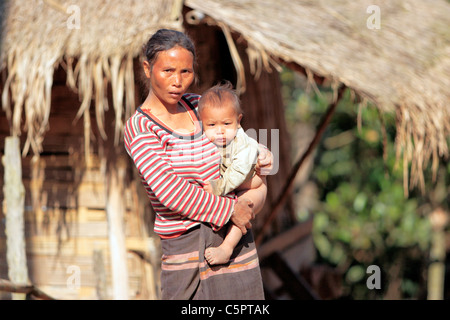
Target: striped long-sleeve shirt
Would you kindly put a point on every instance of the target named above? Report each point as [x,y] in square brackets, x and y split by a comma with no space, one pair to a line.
[173,167]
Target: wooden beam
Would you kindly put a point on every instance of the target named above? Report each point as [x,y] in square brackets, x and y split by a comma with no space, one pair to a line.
[436,270]
[115,210]
[293,283]
[14,200]
[285,239]
[99,274]
[29,290]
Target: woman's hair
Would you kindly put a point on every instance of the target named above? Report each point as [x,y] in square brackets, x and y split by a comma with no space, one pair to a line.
[215,96]
[165,39]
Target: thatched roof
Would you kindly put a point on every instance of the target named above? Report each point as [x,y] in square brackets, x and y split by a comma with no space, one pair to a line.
[403,67]
[104,37]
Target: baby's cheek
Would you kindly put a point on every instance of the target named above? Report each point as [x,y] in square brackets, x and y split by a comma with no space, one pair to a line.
[210,135]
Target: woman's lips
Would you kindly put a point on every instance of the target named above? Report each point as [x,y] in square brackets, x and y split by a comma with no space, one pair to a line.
[175,94]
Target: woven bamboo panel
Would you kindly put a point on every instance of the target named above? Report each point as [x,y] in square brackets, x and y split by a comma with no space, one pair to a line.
[70,223]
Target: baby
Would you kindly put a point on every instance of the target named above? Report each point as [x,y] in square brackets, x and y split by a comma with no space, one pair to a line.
[220,112]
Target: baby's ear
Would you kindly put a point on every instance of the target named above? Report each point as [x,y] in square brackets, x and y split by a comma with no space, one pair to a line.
[239,119]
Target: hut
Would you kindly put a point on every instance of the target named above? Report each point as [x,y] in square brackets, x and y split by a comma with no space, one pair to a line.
[69,81]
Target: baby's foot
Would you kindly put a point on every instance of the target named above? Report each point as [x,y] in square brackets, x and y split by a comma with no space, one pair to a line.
[218,255]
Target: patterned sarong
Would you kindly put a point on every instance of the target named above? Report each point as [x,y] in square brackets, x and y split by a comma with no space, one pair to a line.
[185,273]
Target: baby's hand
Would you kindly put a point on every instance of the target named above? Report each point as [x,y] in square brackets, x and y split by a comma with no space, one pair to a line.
[264,165]
[207,187]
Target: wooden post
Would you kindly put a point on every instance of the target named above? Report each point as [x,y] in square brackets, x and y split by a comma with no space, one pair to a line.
[115,210]
[99,274]
[436,270]
[14,199]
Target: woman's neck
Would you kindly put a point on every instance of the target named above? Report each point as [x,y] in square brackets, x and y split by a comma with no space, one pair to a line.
[158,107]
[174,116]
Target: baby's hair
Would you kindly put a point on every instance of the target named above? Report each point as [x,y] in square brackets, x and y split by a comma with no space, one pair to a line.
[216,95]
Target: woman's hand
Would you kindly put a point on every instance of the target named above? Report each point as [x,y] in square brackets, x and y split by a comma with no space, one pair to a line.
[243,213]
[264,165]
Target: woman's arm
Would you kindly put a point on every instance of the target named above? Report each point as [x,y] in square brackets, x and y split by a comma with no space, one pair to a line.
[175,193]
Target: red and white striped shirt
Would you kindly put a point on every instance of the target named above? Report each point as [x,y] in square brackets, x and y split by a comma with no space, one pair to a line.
[173,167]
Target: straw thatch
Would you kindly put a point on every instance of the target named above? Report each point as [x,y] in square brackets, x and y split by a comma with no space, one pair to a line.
[403,67]
[103,37]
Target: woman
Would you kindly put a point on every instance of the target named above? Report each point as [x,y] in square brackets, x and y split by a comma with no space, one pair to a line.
[165,140]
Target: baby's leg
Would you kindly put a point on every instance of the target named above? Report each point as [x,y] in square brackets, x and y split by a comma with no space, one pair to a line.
[222,253]
[255,190]
[254,183]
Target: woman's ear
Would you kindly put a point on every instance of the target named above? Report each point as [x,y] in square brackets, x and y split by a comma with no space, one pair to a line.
[147,69]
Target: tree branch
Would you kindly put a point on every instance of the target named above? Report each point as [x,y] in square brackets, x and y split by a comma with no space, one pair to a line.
[286,191]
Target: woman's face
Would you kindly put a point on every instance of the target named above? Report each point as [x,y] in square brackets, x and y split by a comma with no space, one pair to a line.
[171,74]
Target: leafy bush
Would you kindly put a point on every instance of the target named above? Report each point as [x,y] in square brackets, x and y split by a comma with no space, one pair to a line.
[363,217]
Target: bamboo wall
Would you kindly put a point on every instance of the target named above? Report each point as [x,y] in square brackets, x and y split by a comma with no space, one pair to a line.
[65,219]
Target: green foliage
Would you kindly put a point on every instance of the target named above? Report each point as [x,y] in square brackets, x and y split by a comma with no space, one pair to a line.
[363,217]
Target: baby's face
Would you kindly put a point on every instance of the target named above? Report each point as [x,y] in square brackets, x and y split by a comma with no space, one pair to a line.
[220,123]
